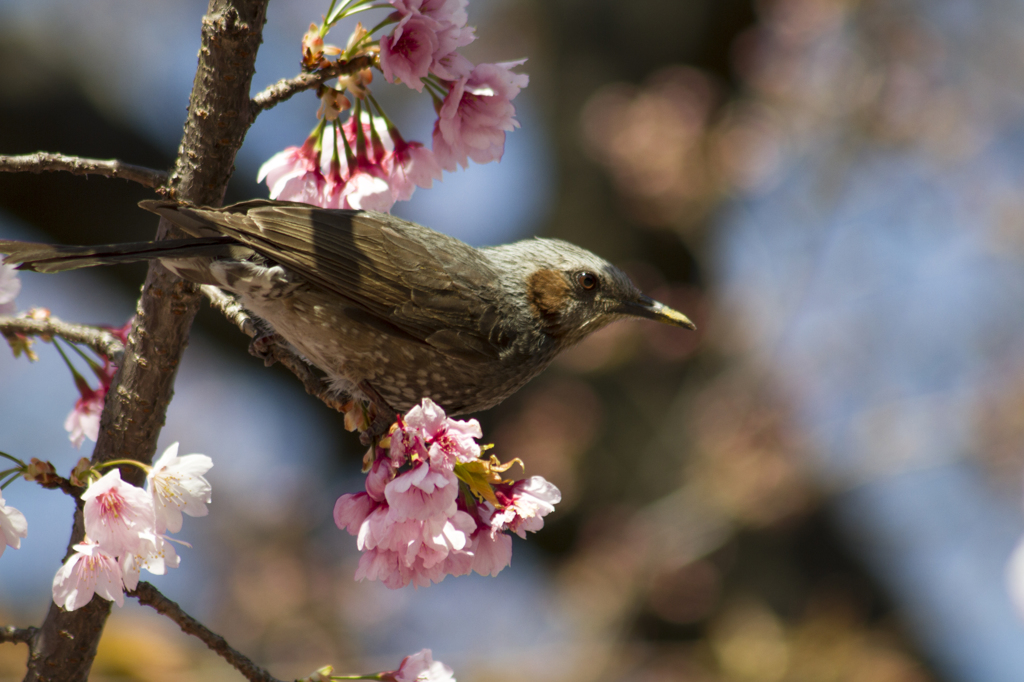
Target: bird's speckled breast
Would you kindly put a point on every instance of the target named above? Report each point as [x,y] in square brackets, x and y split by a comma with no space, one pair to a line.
[351,349]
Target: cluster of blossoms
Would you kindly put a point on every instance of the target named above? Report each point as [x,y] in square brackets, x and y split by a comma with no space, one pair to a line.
[434,507]
[84,419]
[126,528]
[379,167]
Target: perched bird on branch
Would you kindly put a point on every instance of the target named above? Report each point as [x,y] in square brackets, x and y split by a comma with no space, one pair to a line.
[390,311]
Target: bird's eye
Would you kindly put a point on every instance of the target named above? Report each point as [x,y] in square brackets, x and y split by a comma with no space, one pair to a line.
[587,280]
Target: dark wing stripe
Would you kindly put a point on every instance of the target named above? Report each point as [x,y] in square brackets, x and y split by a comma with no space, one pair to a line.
[430,286]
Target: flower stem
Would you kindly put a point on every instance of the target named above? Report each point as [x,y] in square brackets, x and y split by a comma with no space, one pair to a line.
[13,459]
[80,381]
[14,474]
[116,462]
[380,110]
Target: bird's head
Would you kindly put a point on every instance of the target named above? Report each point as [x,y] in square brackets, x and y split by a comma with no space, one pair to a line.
[573,292]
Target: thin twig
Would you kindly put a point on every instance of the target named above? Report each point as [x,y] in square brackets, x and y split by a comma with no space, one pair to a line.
[111,168]
[287,87]
[9,633]
[100,340]
[236,314]
[150,596]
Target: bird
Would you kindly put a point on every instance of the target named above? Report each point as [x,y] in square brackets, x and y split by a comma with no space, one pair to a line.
[390,311]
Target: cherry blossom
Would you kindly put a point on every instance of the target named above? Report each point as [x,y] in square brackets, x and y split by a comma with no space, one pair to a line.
[447,440]
[408,532]
[116,513]
[407,53]
[423,493]
[351,510]
[409,165]
[178,486]
[444,12]
[155,554]
[13,526]
[525,503]
[10,285]
[476,114]
[415,523]
[90,570]
[425,40]
[420,667]
[368,190]
[491,549]
[84,419]
[294,174]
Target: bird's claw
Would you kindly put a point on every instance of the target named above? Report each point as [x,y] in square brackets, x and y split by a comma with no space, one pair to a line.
[262,347]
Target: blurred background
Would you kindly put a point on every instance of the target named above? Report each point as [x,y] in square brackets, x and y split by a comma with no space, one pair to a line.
[822,484]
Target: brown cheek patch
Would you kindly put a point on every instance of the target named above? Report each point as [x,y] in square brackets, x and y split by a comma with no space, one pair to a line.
[547,291]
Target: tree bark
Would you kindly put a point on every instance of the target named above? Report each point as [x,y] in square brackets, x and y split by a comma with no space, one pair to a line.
[218,118]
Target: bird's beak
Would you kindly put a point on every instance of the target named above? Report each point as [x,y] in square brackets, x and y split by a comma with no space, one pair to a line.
[652,310]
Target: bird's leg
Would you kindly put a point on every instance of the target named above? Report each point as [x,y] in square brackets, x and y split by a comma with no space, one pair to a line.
[383,418]
[262,347]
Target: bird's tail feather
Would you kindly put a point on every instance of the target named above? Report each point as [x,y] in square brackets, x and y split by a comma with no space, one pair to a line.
[58,258]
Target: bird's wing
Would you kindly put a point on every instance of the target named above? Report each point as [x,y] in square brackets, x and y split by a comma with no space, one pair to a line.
[404,277]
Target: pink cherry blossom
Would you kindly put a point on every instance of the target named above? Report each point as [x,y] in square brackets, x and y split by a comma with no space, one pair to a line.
[491,552]
[10,285]
[408,52]
[155,554]
[408,524]
[448,63]
[90,570]
[417,524]
[420,667]
[422,493]
[377,479]
[476,114]
[451,66]
[13,526]
[526,503]
[294,172]
[84,419]
[491,549]
[445,12]
[409,165]
[448,440]
[116,513]
[352,510]
[368,190]
[178,486]
[438,30]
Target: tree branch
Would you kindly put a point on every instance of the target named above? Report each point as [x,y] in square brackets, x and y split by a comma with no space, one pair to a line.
[236,314]
[9,633]
[112,168]
[96,338]
[136,405]
[64,485]
[152,597]
[288,87]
